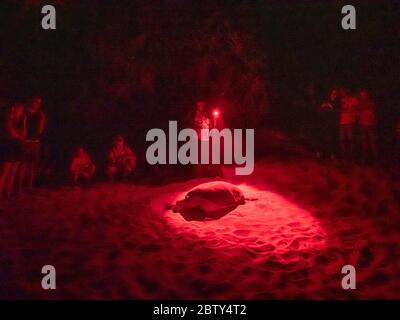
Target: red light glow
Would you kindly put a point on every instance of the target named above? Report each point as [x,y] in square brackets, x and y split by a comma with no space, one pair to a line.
[268,222]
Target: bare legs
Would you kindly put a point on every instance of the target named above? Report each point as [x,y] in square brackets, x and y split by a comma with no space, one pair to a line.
[22,176]
[30,175]
[7,177]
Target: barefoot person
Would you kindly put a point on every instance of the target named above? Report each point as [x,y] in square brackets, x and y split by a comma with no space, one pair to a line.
[11,148]
[82,167]
[121,159]
[35,125]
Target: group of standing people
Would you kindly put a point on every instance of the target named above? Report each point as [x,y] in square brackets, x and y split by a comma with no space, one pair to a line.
[339,117]
[20,145]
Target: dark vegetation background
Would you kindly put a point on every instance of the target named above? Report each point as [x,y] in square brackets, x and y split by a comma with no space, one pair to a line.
[127,66]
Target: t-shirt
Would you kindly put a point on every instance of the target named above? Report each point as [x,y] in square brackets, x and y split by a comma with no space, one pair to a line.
[348,111]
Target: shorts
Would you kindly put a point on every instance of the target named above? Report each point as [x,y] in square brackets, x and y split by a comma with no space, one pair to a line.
[31,151]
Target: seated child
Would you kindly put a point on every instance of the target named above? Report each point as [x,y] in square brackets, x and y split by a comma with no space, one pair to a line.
[121,159]
[82,167]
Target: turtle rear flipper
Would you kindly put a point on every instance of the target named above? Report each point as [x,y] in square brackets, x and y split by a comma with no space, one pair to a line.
[173,207]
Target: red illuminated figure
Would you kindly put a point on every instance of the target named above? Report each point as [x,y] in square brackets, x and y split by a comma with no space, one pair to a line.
[31,147]
[201,120]
[347,120]
[11,148]
[82,167]
[121,159]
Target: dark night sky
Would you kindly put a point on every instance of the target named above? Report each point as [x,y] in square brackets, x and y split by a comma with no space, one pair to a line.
[302,39]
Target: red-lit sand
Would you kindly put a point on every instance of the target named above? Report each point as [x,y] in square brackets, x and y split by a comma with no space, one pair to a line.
[116,241]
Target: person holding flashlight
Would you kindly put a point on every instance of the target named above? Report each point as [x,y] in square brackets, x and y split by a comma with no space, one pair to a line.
[203,121]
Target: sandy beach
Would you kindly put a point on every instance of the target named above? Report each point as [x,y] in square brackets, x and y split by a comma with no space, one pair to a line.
[116,241]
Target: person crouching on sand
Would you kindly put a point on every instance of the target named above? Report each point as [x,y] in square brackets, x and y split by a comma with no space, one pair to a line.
[121,159]
[82,167]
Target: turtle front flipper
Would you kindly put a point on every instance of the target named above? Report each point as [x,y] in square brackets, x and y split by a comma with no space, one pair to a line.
[170,206]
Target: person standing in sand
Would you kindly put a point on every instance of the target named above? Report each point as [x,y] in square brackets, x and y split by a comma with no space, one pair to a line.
[202,121]
[327,126]
[11,154]
[35,126]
